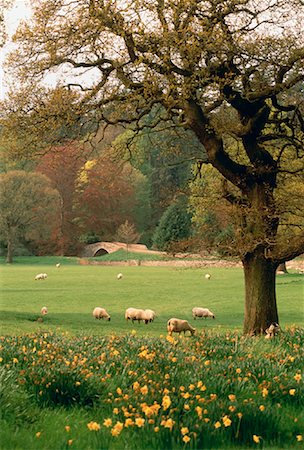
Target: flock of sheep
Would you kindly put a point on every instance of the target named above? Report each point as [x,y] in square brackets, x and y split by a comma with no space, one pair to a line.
[174,325]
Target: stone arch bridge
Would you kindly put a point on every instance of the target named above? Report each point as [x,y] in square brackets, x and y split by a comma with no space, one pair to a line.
[102,248]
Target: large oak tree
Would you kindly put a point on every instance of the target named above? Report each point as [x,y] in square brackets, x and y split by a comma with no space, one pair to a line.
[219,68]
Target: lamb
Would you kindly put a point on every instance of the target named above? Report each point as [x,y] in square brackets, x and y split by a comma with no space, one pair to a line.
[41,276]
[101,313]
[43,311]
[119,276]
[202,312]
[136,314]
[58,265]
[207,276]
[177,325]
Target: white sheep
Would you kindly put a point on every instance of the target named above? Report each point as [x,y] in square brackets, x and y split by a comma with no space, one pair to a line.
[43,311]
[149,315]
[177,325]
[202,312]
[41,276]
[207,276]
[101,313]
[58,265]
[272,330]
[135,314]
[119,276]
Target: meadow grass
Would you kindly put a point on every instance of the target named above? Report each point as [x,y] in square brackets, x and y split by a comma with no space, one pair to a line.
[72,291]
[75,382]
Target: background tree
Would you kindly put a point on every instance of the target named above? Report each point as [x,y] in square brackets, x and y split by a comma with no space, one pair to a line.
[105,196]
[225,70]
[127,233]
[174,226]
[29,208]
[61,165]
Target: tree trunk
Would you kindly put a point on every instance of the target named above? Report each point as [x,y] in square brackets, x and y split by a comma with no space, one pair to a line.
[9,255]
[260,295]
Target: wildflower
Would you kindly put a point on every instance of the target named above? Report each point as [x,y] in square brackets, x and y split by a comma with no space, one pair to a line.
[133,332]
[129,422]
[38,434]
[136,386]
[206,419]
[144,390]
[199,411]
[156,429]
[67,428]
[115,410]
[186,439]
[232,397]
[238,370]
[191,387]
[116,430]
[240,415]
[168,423]
[184,430]
[186,407]
[119,391]
[93,426]
[107,423]
[264,392]
[167,376]
[256,438]
[232,408]
[15,360]
[166,402]
[298,377]
[299,437]
[139,422]
[226,421]
[262,408]
[77,383]
[70,441]
[292,391]
[207,363]
[217,424]
[213,396]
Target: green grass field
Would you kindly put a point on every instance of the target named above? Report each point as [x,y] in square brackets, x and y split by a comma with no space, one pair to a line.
[75,382]
[72,291]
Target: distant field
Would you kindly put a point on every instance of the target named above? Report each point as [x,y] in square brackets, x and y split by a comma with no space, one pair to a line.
[72,291]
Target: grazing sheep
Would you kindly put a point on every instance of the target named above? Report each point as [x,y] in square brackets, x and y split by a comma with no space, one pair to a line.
[101,313]
[149,315]
[202,312]
[119,276]
[43,311]
[135,314]
[272,330]
[177,325]
[41,276]
[58,265]
[207,276]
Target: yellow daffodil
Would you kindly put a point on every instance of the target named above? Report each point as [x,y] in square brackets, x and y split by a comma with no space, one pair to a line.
[186,439]
[93,426]
[139,422]
[107,423]
[256,438]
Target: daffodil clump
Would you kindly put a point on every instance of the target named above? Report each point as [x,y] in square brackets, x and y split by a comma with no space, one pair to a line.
[207,391]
